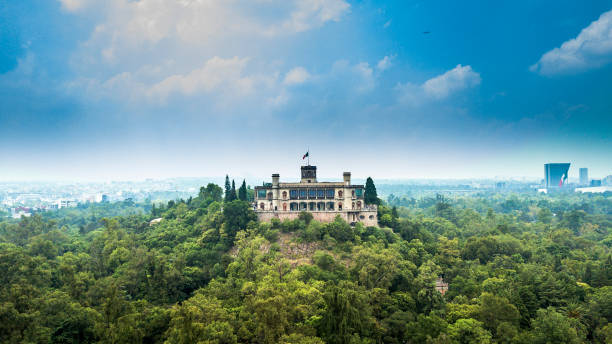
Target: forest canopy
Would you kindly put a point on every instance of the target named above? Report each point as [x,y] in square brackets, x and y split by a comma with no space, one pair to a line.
[520,268]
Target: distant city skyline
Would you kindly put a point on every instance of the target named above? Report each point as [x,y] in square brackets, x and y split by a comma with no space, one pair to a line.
[123,90]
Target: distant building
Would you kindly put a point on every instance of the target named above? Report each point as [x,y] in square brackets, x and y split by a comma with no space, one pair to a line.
[595,183]
[555,174]
[65,203]
[441,286]
[594,189]
[500,185]
[105,199]
[584,176]
[325,200]
[607,180]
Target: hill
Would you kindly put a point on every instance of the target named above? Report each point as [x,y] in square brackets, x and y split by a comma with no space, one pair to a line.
[520,269]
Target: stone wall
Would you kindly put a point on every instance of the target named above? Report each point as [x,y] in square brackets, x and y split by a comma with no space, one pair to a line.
[366,217]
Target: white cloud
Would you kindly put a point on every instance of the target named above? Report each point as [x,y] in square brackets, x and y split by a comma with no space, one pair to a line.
[216,74]
[312,13]
[359,77]
[74,5]
[439,87]
[456,79]
[592,48]
[296,76]
[385,63]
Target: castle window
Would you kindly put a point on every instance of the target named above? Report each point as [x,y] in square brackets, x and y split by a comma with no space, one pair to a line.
[312,206]
[312,193]
[371,217]
[361,217]
[358,204]
[284,206]
[284,194]
[339,206]
[262,206]
[329,193]
[321,206]
[261,194]
[330,205]
[302,193]
[269,196]
[320,193]
[303,206]
[340,193]
[353,193]
[294,206]
[353,205]
[359,193]
[293,194]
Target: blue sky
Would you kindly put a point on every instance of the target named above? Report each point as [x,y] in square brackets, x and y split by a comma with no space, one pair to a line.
[123,89]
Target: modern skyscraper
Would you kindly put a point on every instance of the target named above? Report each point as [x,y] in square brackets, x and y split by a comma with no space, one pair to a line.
[555,174]
[584,176]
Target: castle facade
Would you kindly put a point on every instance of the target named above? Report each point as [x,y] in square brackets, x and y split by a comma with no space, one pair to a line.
[325,200]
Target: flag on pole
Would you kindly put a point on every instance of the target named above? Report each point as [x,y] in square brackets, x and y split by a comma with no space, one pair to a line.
[305,156]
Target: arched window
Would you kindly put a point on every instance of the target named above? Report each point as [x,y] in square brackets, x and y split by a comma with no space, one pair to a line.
[269,196]
[284,194]
[285,206]
[321,206]
[340,205]
[358,204]
[340,193]
[262,206]
[353,193]
[353,205]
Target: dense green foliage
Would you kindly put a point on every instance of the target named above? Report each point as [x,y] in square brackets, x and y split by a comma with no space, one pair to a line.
[521,269]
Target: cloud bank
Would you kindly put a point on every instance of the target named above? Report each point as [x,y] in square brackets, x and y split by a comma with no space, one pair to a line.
[591,49]
[154,49]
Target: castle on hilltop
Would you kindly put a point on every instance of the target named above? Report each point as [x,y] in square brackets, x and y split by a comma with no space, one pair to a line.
[325,200]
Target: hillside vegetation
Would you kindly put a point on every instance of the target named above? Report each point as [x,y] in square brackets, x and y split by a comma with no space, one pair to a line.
[521,269]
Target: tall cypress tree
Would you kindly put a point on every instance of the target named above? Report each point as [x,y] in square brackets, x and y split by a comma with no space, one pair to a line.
[242,192]
[233,191]
[370,197]
[228,189]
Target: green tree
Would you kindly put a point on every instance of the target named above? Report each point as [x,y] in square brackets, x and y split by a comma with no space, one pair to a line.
[242,192]
[233,195]
[494,310]
[549,326]
[200,319]
[237,214]
[347,313]
[210,193]
[370,197]
[228,189]
[468,331]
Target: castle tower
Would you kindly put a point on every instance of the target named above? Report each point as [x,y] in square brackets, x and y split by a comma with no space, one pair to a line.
[309,174]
